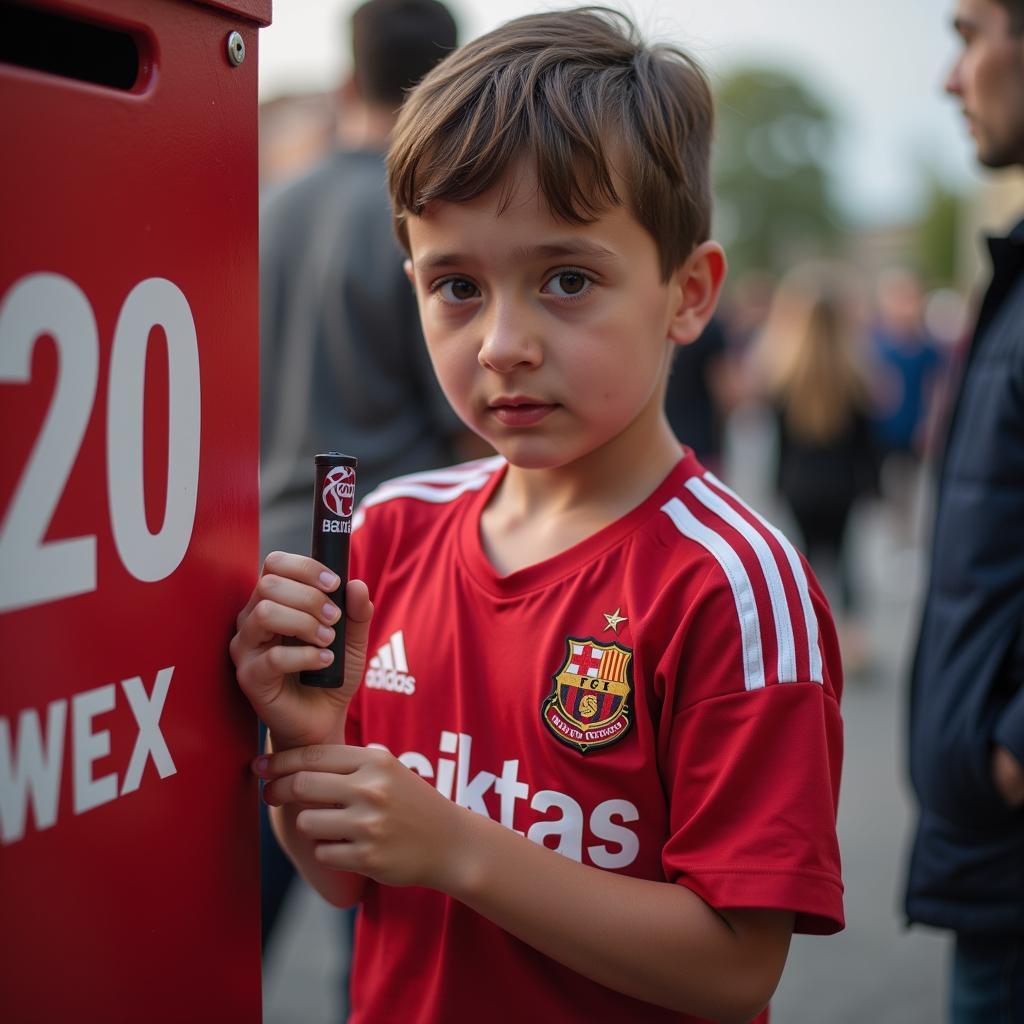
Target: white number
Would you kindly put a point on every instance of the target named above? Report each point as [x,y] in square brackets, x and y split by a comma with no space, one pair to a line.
[33,570]
[153,556]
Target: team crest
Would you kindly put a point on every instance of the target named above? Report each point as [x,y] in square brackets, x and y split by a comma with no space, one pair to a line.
[590,705]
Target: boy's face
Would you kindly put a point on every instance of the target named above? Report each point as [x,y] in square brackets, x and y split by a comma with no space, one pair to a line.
[551,340]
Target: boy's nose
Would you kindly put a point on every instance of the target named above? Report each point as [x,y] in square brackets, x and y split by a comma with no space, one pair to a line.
[508,342]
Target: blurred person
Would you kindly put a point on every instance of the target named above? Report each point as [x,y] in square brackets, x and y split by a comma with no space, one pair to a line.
[700,392]
[607,790]
[907,364]
[966,870]
[745,308]
[295,132]
[810,355]
[343,364]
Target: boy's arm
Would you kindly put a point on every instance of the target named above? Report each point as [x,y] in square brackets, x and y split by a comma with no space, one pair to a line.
[292,598]
[339,888]
[657,941]
[360,810]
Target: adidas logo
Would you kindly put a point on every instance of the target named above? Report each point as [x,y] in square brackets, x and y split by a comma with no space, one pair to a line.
[388,669]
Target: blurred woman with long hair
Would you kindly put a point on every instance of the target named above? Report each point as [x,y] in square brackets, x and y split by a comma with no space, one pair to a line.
[811,363]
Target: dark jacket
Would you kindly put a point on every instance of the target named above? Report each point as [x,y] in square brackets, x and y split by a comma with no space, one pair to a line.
[967,689]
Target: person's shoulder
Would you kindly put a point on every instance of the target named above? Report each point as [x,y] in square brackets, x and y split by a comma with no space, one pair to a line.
[428,493]
[339,170]
[729,580]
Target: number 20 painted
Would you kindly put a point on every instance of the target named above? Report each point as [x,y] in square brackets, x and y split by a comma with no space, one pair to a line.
[35,571]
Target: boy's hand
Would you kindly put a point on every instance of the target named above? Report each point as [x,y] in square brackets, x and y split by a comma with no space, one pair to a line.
[290,602]
[368,813]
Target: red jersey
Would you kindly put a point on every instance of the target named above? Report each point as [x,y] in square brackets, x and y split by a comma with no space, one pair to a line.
[660,700]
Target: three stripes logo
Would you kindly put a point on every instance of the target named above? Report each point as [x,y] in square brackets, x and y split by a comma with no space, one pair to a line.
[388,668]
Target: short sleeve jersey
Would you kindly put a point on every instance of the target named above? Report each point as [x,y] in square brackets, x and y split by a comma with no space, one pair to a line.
[659,700]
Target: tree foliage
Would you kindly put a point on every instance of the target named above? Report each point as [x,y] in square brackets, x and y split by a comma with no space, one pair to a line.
[938,234]
[774,144]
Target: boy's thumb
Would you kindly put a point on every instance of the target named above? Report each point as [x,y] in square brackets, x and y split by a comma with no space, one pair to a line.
[358,614]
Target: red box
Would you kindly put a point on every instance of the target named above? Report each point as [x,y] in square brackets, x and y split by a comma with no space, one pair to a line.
[128,510]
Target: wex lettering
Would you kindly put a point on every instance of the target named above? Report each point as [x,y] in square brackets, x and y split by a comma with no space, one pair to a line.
[563,827]
[32,755]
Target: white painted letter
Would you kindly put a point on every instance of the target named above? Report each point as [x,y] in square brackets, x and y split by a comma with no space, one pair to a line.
[88,746]
[150,741]
[31,770]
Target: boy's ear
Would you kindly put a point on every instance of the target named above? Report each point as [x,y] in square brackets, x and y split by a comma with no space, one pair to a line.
[407,267]
[699,281]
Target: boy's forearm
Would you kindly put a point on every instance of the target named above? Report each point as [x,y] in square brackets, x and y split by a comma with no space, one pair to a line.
[655,941]
[340,888]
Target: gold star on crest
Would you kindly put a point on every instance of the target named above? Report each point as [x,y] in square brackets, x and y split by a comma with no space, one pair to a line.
[613,619]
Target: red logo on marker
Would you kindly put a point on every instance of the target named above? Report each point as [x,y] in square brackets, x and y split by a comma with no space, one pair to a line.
[340,490]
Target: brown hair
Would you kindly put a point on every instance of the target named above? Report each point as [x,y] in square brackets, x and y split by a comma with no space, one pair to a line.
[811,353]
[395,43]
[580,94]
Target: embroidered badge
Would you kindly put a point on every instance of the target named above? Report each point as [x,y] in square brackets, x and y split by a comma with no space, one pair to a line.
[590,705]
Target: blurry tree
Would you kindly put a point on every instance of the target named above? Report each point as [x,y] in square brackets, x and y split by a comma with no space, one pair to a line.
[938,235]
[773,145]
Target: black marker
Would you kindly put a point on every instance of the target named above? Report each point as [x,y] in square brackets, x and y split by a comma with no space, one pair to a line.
[333,502]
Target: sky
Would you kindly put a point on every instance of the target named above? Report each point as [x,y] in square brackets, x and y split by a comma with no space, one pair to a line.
[879,64]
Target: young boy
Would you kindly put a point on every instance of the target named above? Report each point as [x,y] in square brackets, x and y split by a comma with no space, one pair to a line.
[591,770]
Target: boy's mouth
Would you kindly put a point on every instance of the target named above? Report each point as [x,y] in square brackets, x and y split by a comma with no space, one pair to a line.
[519,411]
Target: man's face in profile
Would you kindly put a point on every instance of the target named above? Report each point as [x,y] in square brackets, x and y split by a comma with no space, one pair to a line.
[988,78]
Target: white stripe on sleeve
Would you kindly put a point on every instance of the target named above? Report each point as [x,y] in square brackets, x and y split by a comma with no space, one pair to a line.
[742,591]
[776,589]
[799,575]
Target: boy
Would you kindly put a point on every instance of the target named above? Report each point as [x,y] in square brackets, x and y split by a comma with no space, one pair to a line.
[589,642]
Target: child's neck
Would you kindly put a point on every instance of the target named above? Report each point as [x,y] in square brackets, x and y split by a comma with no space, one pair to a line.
[536,514]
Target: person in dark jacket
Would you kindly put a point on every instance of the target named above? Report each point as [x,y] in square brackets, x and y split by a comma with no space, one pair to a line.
[967,687]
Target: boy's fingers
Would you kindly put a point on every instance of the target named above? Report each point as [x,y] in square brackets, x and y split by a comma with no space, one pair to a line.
[307,787]
[260,676]
[298,595]
[299,568]
[322,757]
[323,824]
[268,620]
[358,604]
[344,856]
[359,613]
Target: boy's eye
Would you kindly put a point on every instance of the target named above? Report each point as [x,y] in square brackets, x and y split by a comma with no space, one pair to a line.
[456,289]
[567,283]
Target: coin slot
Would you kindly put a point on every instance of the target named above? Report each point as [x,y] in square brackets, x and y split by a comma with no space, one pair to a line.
[56,44]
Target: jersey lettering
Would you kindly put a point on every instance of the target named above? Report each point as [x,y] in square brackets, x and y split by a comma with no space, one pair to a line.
[561,823]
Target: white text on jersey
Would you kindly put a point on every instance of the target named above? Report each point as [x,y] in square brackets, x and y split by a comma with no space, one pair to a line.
[619,846]
[388,669]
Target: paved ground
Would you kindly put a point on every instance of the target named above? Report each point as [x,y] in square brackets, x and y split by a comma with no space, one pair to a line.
[876,971]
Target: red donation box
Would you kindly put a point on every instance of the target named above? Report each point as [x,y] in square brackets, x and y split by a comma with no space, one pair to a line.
[129,874]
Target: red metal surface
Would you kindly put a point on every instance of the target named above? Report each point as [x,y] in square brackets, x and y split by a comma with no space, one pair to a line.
[144,908]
